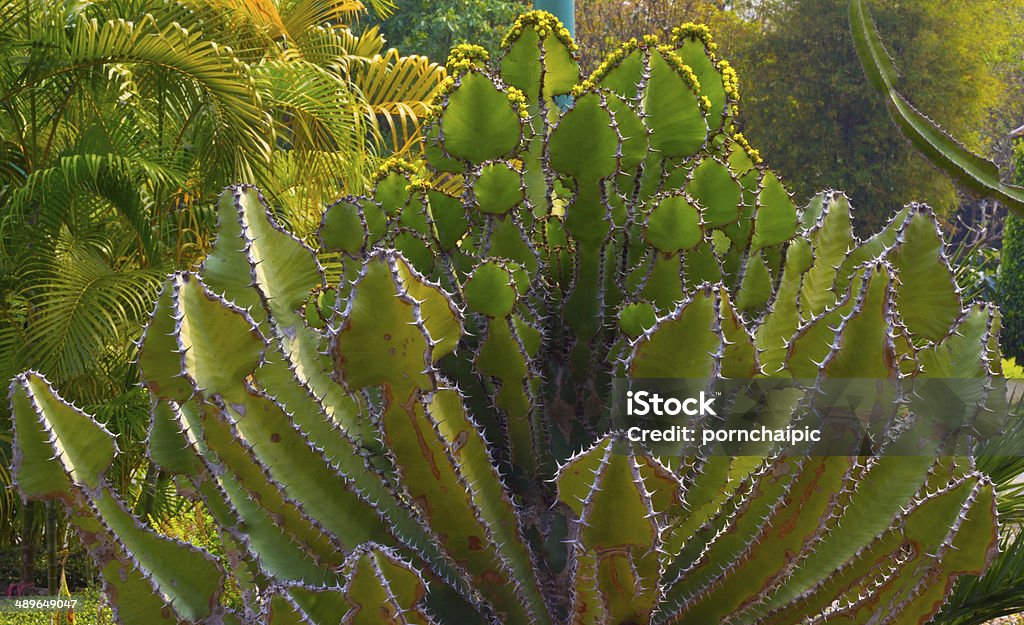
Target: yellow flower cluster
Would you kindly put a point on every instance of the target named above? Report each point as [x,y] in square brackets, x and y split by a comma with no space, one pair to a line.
[464,57]
[518,100]
[545,24]
[628,47]
[751,152]
[443,90]
[419,184]
[730,80]
[390,166]
[699,32]
[681,68]
[584,87]
[612,61]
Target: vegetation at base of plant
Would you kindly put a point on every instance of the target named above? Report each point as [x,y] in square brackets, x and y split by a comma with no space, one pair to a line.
[78,569]
[93,609]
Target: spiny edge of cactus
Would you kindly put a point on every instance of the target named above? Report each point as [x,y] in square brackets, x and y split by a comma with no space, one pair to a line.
[84,497]
[545,24]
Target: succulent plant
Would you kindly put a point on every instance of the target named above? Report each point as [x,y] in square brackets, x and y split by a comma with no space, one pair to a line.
[411,424]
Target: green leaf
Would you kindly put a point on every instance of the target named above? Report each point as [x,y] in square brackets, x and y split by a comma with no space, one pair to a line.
[694,323]
[674,225]
[694,53]
[156,579]
[479,122]
[831,236]
[262,254]
[755,285]
[521,66]
[713,187]
[584,143]
[382,340]
[85,449]
[343,228]
[927,296]
[775,220]
[673,113]
[499,189]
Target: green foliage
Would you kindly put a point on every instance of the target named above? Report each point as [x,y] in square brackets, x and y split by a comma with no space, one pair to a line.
[121,121]
[433,27]
[822,123]
[1011,272]
[92,609]
[411,425]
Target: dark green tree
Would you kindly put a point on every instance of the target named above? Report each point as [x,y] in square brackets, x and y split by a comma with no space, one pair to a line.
[1011,272]
[433,27]
[811,109]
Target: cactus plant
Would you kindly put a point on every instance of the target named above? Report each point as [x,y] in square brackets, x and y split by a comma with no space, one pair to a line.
[410,424]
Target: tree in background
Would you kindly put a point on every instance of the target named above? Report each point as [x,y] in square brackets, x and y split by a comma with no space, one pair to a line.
[810,108]
[602,25]
[1011,273]
[433,27]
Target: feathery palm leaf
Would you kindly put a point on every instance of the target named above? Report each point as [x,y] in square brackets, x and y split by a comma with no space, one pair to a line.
[78,304]
[398,91]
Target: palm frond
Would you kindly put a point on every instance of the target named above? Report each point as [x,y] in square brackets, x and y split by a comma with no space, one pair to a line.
[338,47]
[398,91]
[208,67]
[301,15]
[76,305]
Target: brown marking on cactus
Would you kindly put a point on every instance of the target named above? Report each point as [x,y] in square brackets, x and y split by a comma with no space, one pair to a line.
[778,471]
[493,577]
[275,437]
[790,524]
[422,443]
[608,554]
[459,443]
[54,495]
[475,544]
